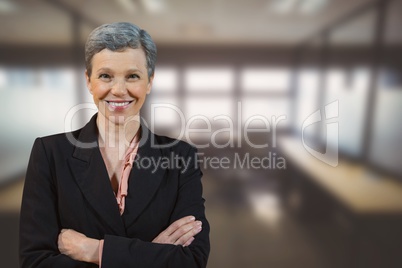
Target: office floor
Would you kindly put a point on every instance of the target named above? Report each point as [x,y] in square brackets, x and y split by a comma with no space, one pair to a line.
[249,226]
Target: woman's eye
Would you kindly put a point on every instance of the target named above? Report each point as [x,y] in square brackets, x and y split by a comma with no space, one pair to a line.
[133,76]
[104,76]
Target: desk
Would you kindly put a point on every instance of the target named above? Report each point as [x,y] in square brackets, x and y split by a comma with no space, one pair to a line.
[351,183]
[369,203]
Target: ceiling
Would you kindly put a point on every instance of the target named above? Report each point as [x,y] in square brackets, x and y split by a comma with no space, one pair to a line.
[209,22]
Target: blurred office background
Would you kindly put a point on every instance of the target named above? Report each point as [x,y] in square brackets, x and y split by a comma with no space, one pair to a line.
[236,59]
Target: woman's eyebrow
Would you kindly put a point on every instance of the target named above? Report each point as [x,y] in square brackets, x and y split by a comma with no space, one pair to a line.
[133,70]
[103,69]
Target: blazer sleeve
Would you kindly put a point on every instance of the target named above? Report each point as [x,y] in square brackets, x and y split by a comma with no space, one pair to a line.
[132,252]
[39,224]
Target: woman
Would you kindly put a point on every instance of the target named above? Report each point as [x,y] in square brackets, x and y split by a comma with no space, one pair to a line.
[89,198]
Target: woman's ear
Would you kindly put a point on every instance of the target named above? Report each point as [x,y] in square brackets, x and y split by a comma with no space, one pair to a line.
[88,81]
[151,79]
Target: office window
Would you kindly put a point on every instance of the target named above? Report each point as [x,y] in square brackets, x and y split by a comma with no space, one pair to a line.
[265,80]
[201,106]
[165,80]
[386,142]
[350,88]
[57,79]
[308,87]
[209,79]
[387,128]
[307,99]
[166,111]
[47,95]
[161,110]
[203,113]
[37,79]
[37,104]
[23,79]
[347,80]
[266,107]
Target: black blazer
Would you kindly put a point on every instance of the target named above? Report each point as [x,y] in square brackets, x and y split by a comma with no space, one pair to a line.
[67,186]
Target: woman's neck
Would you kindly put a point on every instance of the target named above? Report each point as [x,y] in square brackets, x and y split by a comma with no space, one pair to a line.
[117,135]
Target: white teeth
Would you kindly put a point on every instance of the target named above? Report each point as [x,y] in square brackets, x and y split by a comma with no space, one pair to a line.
[119,104]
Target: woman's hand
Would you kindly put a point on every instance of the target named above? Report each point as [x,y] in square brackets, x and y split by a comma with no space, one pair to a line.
[78,247]
[181,232]
[81,248]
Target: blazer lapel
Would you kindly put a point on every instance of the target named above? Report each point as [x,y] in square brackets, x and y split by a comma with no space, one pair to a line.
[91,175]
[145,177]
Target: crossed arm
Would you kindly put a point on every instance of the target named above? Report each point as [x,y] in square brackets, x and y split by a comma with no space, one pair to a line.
[82,248]
[42,238]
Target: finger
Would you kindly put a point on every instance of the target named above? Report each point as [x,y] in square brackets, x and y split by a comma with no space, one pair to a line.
[166,237]
[188,243]
[177,224]
[182,236]
[183,230]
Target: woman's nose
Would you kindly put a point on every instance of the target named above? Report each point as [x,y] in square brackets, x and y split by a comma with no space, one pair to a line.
[119,88]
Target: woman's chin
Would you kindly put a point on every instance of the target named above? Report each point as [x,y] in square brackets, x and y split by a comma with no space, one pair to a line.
[122,119]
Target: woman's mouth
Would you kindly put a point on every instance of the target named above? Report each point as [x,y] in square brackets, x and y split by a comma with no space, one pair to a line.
[118,105]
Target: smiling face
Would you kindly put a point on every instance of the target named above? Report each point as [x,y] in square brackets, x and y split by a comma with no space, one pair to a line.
[119,83]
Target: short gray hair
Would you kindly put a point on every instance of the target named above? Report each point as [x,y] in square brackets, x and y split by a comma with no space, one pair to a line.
[118,37]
